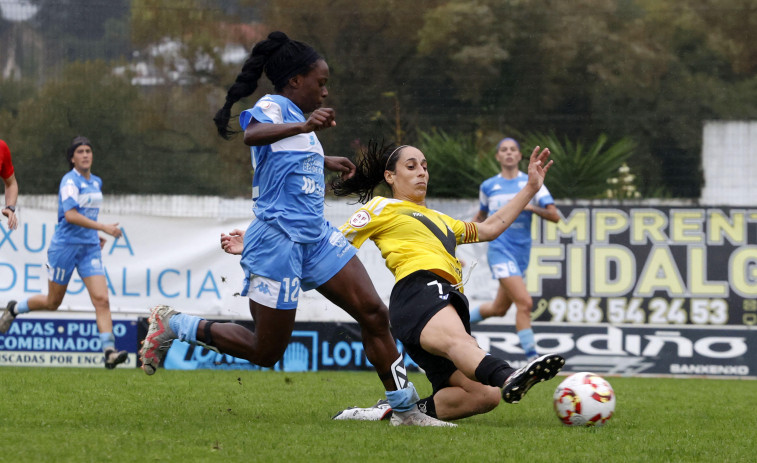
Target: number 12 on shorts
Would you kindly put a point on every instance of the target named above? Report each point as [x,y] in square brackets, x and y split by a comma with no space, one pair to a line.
[291,289]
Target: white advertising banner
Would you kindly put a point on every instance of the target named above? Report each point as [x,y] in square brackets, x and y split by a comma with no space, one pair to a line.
[175,261]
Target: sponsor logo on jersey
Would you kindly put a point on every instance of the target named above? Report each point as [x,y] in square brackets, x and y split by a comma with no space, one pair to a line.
[337,240]
[308,185]
[313,164]
[263,288]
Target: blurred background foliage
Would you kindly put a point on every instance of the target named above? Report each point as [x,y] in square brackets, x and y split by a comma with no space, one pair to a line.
[143,78]
[584,170]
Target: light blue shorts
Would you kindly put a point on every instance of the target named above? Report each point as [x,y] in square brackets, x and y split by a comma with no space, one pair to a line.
[276,269]
[63,258]
[505,264]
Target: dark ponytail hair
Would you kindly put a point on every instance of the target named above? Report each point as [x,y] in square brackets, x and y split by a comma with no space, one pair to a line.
[280,57]
[369,172]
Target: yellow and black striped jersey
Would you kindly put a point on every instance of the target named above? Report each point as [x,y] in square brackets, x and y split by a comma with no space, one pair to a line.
[411,237]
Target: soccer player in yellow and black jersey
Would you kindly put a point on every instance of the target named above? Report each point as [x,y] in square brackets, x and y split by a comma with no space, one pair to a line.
[427,308]
[411,237]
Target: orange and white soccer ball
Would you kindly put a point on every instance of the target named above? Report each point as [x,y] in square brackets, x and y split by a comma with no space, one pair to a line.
[584,399]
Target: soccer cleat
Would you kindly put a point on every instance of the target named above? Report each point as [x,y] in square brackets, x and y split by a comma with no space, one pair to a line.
[414,417]
[6,319]
[535,371]
[113,358]
[381,411]
[158,339]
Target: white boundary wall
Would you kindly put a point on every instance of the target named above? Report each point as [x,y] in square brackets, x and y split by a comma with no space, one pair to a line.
[170,254]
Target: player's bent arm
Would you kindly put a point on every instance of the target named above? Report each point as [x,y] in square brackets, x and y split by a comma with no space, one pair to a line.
[547,213]
[493,226]
[75,218]
[339,164]
[480,217]
[261,133]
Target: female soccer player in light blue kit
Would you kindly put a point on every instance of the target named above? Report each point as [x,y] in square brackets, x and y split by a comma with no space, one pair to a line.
[76,244]
[289,247]
[508,255]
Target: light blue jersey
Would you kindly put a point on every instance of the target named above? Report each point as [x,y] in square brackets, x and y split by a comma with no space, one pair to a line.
[515,241]
[288,184]
[84,195]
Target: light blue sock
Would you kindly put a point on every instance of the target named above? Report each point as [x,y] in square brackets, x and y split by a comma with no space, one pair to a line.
[108,341]
[527,342]
[403,400]
[22,307]
[475,315]
[185,326]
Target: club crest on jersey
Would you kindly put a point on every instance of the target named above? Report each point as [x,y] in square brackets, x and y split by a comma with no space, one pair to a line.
[360,219]
[264,104]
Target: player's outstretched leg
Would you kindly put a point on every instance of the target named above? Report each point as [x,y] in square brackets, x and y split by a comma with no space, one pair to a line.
[414,417]
[158,339]
[114,357]
[6,319]
[540,369]
[405,411]
[381,411]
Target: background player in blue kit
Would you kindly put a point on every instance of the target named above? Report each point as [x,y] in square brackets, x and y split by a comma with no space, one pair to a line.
[289,247]
[77,245]
[508,255]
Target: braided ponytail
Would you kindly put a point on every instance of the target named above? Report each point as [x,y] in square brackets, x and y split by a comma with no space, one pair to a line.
[280,57]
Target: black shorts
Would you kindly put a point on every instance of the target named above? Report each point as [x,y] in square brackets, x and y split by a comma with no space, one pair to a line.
[414,301]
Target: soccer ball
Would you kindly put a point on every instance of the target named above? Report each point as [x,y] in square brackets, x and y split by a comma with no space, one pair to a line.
[584,399]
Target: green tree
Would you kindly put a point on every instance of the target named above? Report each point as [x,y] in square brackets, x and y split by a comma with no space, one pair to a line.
[579,171]
[456,168]
[143,142]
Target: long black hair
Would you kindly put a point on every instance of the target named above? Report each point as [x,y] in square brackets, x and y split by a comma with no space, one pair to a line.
[370,165]
[280,58]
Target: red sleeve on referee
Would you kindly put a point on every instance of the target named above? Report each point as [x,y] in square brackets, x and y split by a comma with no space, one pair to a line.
[6,166]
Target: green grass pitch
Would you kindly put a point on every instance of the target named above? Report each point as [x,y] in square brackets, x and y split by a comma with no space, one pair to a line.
[81,415]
